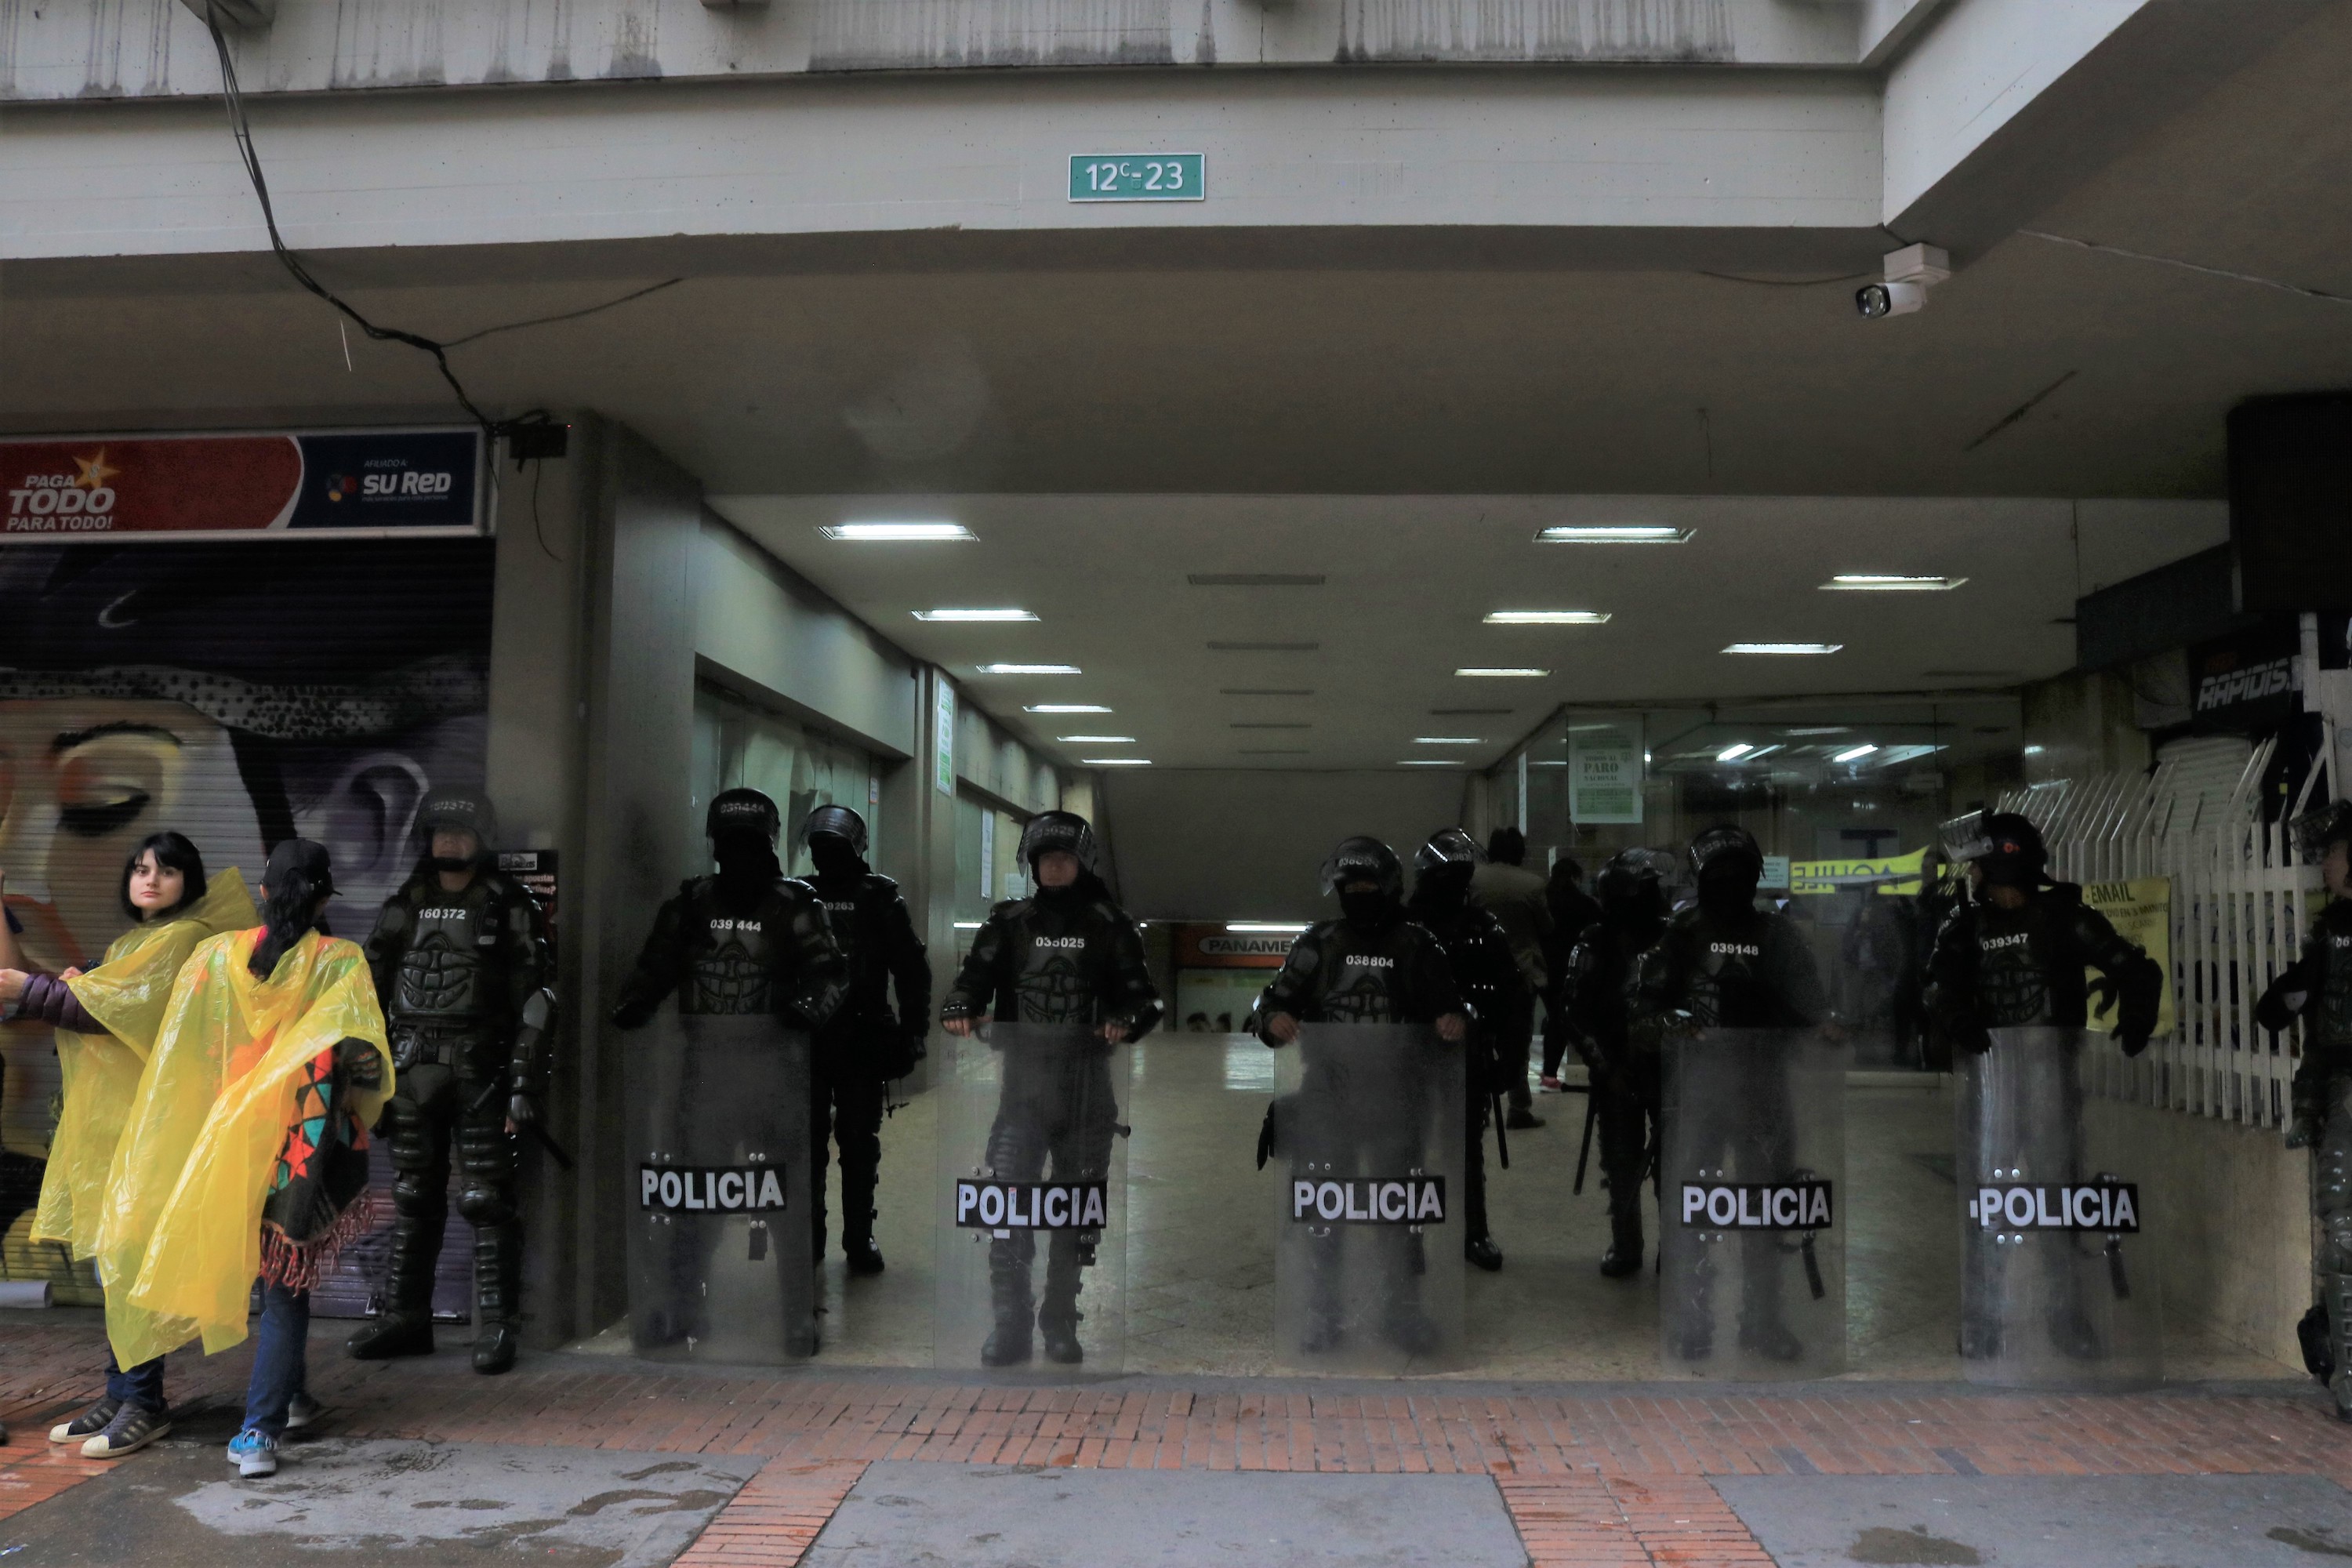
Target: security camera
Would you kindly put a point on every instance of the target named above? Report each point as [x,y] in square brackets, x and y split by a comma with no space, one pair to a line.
[1877,299]
[1909,273]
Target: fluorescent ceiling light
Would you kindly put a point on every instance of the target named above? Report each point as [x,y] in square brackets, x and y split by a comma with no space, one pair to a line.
[1029,669]
[1447,740]
[1265,928]
[1784,648]
[1817,729]
[1116,762]
[898,533]
[1095,739]
[1065,708]
[1612,533]
[967,925]
[1886,582]
[1854,753]
[1733,753]
[1429,763]
[1547,617]
[975,615]
[1502,672]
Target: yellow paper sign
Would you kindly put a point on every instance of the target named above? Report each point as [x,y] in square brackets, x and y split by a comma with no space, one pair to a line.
[2141,911]
[1897,875]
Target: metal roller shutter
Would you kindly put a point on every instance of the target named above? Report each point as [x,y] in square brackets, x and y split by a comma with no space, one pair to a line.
[238,692]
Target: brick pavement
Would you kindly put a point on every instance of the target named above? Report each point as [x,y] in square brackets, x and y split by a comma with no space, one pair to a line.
[1594,1476]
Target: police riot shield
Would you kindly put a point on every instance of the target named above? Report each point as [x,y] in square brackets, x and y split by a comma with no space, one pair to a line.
[1366,1136]
[1033,1159]
[719,1189]
[1752,1253]
[2058,1272]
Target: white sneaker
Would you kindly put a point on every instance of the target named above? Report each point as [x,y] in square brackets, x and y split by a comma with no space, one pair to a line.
[300,1411]
[252,1454]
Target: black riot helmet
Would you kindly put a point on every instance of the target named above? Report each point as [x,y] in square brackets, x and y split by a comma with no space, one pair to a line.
[743,811]
[1448,847]
[458,810]
[2003,845]
[2323,827]
[835,822]
[1634,878]
[1065,831]
[1631,891]
[1727,850]
[1364,859]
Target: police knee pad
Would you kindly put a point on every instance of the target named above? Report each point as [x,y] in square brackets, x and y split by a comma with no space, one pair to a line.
[414,1189]
[484,1206]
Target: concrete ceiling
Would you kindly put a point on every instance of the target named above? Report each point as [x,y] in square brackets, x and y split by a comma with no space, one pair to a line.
[1407,579]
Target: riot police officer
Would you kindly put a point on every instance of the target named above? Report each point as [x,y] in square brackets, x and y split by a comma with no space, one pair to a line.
[1373,966]
[1722,963]
[459,957]
[1066,955]
[864,1044]
[2318,988]
[748,941]
[1624,1082]
[1486,976]
[2015,956]
[752,956]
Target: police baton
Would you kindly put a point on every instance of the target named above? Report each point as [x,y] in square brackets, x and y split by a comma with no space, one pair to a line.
[1584,1155]
[555,1149]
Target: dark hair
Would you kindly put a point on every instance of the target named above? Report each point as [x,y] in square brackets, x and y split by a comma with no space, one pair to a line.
[1568,868]
[173,852]
[1508,845]
[296,879]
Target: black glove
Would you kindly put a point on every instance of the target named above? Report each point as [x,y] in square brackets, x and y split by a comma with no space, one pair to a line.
[2279,1006]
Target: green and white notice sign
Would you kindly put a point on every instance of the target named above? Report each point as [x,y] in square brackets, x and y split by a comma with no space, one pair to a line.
[1604,771]
[1138,177]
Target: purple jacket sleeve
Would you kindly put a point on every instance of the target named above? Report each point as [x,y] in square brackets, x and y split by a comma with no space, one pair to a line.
[52,1000]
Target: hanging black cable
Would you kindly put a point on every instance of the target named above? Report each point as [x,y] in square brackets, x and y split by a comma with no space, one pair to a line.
[241,131]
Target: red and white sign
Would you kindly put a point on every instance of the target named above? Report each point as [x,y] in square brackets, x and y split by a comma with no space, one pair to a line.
[341,483]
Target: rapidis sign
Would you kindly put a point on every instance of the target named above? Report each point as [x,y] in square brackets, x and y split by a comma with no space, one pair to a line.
[342,483]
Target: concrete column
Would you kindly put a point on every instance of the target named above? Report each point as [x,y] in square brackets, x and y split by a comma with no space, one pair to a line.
[536,761]
[642,523]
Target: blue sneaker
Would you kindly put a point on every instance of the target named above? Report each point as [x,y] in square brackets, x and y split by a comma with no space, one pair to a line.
[300,1411]
[253,1453]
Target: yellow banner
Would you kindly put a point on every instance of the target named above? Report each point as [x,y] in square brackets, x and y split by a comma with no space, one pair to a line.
[1899,875]
[2141,910]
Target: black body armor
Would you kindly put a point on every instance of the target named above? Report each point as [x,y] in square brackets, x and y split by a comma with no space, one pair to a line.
[1994,968]
[1061,957]
[1749,970]
[773,953]
[1338,972]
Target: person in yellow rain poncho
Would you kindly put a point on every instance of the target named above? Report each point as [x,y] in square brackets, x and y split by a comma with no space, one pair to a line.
[106,1021]
[244,1154]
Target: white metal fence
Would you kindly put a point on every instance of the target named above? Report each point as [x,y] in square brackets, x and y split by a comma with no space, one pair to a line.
[2240,901]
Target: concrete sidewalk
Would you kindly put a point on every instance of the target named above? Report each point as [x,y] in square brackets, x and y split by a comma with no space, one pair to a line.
[606,1460]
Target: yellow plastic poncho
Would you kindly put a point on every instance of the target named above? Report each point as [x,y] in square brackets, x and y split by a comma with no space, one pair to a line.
[183,1221]
[128,993]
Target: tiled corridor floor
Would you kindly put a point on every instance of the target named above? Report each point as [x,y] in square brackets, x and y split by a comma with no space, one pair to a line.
[1202,1257]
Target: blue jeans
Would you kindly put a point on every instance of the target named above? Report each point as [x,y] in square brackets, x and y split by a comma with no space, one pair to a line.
[142,1386]
[281,1369]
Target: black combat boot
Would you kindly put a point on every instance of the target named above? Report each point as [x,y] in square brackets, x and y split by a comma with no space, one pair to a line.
[498,1269]
[1008,1294]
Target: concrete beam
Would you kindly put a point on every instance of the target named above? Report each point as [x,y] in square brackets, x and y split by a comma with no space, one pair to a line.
[1650,151]
[2002,106]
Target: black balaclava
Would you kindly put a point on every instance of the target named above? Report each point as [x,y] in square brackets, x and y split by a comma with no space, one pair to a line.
[1728,891]
[1074,891]
[748,866]
[1365,908]
[454,862]
[1443,887]
[835,857]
